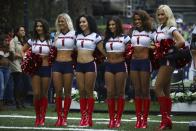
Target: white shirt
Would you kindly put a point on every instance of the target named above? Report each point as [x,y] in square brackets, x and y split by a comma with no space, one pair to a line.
[117,44]
[87,42]
[142,39]
[164,33]
[65,41]
[40,47]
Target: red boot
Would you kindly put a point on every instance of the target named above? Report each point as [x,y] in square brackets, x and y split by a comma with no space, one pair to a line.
[111,110]
[83,105]
[166,122]
[37,111]
[67,103]
[90,105]
[44,105]
[59,111]
[138,108]
[120,109]
[169,105]
[146,107]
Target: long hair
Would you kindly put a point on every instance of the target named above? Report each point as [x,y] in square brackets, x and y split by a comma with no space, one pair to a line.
[119,28]
[91,23]
[45,29]
[67,19]
[145,18]
[169,14]
[16,30]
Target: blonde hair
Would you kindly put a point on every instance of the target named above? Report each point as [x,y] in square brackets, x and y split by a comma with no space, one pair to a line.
[67,19]
[169,14]
[69,24]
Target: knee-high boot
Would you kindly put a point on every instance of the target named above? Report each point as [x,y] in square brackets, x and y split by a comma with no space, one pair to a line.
[90,109]
[44,105]
[146,107]
[169,105]
[59,110]
[37,111]
[111,110]
[138,108]
[67,103]
[120,109]
[166,122]
[83,108]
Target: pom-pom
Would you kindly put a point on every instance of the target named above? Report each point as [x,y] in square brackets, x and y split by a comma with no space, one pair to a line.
[184,57]
[128,52]
[162,48]
[31,62]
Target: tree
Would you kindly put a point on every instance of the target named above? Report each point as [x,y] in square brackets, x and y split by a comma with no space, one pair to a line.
[11,14]
[79,7]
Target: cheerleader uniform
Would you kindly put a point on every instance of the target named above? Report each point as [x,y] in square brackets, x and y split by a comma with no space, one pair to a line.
[87,42]
[42,48]
[142,106]
[116,45]
[164,33]
[141,39]
[64,42]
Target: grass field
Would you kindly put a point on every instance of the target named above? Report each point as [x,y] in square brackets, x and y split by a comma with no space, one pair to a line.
[17,120]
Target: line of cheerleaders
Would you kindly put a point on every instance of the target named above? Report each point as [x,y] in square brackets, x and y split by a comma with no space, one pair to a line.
[80,51]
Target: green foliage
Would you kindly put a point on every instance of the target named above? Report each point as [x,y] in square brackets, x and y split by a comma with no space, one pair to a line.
[187,96]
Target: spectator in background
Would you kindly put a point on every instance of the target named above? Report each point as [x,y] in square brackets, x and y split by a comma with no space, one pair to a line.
[21,80]
[193,51]
[8,93]
[127,29]
[4,67]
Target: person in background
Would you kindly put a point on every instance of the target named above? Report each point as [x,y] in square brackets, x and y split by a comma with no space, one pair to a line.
[193,51]
[166,31]
[62,68]
[21,80]
[4,68]
[8,92]
[140,65]
[87,40]
[116,71]
[127,29]
[40,44]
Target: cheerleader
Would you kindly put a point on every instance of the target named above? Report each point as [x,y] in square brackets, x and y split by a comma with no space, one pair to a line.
[40,44]
[62,68]
[115,70]
[87,39]
[166,31]
[140,66]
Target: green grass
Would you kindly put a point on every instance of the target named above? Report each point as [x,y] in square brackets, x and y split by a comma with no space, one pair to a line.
[101,122]
[129,106]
